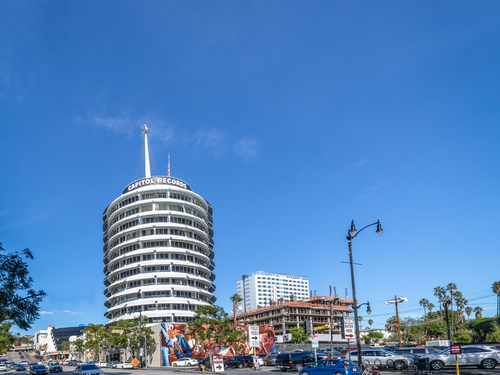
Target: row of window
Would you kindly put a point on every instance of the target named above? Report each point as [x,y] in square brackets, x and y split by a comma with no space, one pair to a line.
[153,256]
[136,271]
[151,232]
[153,195]
[166,243]
[157,219]
[159,294]
[159,281]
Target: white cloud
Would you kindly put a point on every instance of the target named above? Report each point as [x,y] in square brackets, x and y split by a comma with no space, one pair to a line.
[211,140]
[46,312]
[118,124]
[246,148]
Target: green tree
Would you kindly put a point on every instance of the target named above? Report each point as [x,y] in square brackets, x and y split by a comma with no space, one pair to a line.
[439,292]
[65,346]
[424,302]
[6,339]
[132,337]
[211,327]
[462,336]
[468,311]
[376,336]
[19,302]
[370,322]
[437,329]
[482,327]
[496,289]
[479,312]
[298,335]
[95,339]
[78,346]
[235,298]
[451,287]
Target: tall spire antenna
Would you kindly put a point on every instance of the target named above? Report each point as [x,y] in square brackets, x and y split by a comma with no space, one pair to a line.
[168,164]
[145,131]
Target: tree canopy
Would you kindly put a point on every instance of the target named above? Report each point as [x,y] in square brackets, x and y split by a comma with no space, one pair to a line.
[19,302]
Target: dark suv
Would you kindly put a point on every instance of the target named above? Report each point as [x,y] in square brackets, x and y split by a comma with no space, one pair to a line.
[294,360]
[240,361]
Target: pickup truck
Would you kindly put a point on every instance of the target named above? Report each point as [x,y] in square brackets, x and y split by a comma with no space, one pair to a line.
[55,366]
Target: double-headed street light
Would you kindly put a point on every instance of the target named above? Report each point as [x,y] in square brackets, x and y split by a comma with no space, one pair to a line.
[397,300]
[351,233]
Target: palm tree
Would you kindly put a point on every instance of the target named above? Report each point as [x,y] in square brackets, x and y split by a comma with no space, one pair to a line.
[468,311]
[370,322]
[496,289]
[360,318]
[430,306]
[424,302]
[439,293]
[236,298]
[451,287]
[392,324]
[479,312]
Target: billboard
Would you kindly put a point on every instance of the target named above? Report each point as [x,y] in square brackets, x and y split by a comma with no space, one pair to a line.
[175,344]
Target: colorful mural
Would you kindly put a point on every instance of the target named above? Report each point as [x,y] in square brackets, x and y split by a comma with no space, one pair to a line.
[175,345]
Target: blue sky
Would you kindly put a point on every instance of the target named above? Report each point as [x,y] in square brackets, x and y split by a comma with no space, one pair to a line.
[291,118]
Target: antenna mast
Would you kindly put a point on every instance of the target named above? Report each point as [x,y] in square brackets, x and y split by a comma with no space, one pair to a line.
[168,165]
[145,131]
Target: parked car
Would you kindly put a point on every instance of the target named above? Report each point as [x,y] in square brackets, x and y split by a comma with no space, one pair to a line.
[38,370]
[472,355]
[240,361]
[124,365]
[331,366]
[184,362]
[111,364]
[294,360]
[101,364]
[87,370]
[3,367]
[375,356]
[54,366]
[26,363]
[20,367]
[421,350]
[270,360]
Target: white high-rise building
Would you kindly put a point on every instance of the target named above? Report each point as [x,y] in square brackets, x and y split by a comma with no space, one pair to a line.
[158,250]
[262,288]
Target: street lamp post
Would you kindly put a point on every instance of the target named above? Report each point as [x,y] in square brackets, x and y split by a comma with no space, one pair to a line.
[351,233]
[396,301]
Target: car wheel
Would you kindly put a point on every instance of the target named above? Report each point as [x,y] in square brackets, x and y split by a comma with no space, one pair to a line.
[240,365]
[488,363]
[436,365]
[305,373]
[339,373]
[399,365]
[299,367]
[175,365]
[226,366]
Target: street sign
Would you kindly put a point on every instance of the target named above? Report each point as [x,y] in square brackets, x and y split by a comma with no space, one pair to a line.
[117,331]
[218,363]
[253,335]
[135,362]
[347,327]
[455,349]
[315,341]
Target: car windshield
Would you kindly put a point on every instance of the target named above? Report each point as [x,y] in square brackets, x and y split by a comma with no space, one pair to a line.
[37,367]
[444,351]
[89,367]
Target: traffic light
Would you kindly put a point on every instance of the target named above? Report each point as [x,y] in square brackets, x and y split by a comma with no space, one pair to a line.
[107,329]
